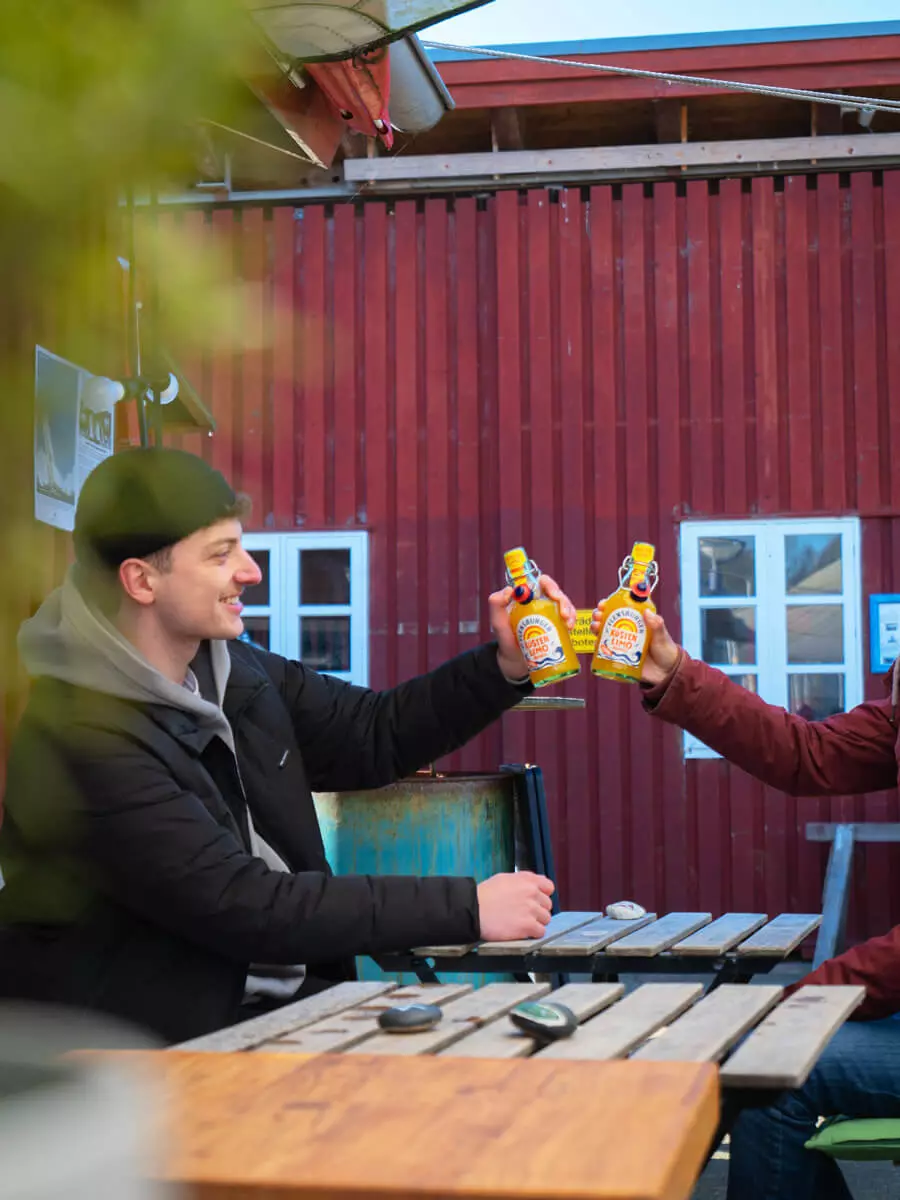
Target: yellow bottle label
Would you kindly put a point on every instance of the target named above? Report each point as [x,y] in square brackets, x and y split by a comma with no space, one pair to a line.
[539,642]
[623,636]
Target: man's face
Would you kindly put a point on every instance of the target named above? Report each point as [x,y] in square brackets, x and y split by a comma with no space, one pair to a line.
[198,597]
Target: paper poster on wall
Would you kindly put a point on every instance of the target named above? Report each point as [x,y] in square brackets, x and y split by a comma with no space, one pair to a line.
[73,432]
[884,631]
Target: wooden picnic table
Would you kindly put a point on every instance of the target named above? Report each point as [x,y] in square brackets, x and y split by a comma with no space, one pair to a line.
[280,1126]
[675,1022]
[314,1100]
[732,948]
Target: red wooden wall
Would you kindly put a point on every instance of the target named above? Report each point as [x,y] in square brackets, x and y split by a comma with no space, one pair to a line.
[574,370]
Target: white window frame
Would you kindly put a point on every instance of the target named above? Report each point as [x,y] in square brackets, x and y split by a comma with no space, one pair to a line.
[771,601]
[284,609]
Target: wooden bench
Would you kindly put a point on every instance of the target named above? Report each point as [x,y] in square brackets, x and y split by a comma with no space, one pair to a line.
[734,947]
[779,1043]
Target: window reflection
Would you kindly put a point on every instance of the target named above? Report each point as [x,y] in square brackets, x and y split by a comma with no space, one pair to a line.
[325,643]
[815,633]
[325,577]
[727,566]
[812,564]
[746,681]
[815,697]
[728,635]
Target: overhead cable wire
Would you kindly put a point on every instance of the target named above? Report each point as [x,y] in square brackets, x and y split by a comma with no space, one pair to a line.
[862,103]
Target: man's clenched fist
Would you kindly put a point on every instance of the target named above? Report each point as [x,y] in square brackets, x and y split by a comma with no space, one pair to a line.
[514,906]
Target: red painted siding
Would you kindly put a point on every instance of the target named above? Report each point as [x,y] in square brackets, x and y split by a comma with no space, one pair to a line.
[575,370]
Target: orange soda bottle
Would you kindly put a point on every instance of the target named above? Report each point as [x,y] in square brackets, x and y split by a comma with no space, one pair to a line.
[536,621]
[624,638]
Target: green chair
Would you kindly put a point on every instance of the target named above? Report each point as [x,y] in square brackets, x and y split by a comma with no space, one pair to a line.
[860,1138]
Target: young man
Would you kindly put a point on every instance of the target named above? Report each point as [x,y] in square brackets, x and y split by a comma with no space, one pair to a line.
[859,1072]
[160,847]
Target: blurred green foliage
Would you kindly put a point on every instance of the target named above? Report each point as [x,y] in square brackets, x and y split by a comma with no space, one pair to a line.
[97,97]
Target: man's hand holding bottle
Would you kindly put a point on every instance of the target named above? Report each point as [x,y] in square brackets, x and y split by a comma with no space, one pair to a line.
[509,656]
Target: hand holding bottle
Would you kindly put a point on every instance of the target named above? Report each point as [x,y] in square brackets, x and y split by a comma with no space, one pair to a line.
[509,654]
[662,653]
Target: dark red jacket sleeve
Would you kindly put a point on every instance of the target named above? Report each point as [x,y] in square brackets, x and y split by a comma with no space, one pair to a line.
[850,752]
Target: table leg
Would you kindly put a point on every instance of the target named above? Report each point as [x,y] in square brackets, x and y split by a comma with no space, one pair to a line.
[425,972]
[835,895]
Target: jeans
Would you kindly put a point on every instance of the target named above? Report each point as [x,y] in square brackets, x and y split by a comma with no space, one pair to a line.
[858,1075]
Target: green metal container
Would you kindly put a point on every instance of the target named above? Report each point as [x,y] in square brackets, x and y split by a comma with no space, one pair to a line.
[445,824]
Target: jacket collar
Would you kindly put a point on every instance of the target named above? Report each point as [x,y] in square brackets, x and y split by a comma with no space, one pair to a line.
[247,679]
[182,727]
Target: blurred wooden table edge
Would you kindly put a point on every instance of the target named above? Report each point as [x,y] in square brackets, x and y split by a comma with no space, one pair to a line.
[336,1126]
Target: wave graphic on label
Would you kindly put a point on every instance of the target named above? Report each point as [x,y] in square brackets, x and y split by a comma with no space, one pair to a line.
[539,642]
[622,639]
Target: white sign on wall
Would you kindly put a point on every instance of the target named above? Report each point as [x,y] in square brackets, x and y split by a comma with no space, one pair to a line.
[74,427]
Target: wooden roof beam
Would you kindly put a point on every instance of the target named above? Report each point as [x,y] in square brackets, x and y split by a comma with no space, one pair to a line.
[506,129]
[737,157]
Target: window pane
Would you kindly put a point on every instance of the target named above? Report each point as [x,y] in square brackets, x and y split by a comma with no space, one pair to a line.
[325,577]
[815,633]
[812,564]
[746,681]
[260,593]
[727,566]
[256,629]
[325,643]
[816,696]
[729,635]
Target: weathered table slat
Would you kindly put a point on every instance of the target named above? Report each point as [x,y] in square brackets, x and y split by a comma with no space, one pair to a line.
[445,951]
[559,924]
[616,1032]
[716,1023]
[501,1039]
[593,937]
[291,1018]
[781,1052]
[581,935]
[721,935]
[782,935]
[346,1127]
[461,1017]
[344,1030]
[660,935]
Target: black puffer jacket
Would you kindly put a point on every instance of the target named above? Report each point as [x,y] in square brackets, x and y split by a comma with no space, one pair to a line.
[130,886]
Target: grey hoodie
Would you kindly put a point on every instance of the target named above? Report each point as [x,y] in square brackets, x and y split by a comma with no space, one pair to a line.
[69,639]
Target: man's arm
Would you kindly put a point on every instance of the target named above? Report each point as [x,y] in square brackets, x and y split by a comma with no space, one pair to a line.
[352,737]
[157,850]
[849,752]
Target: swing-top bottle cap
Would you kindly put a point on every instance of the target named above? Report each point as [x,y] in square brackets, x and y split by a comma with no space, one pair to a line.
[516,562]
[643,552]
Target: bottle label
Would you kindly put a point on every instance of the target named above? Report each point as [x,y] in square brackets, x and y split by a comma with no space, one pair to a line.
[539,642]
[623,636]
